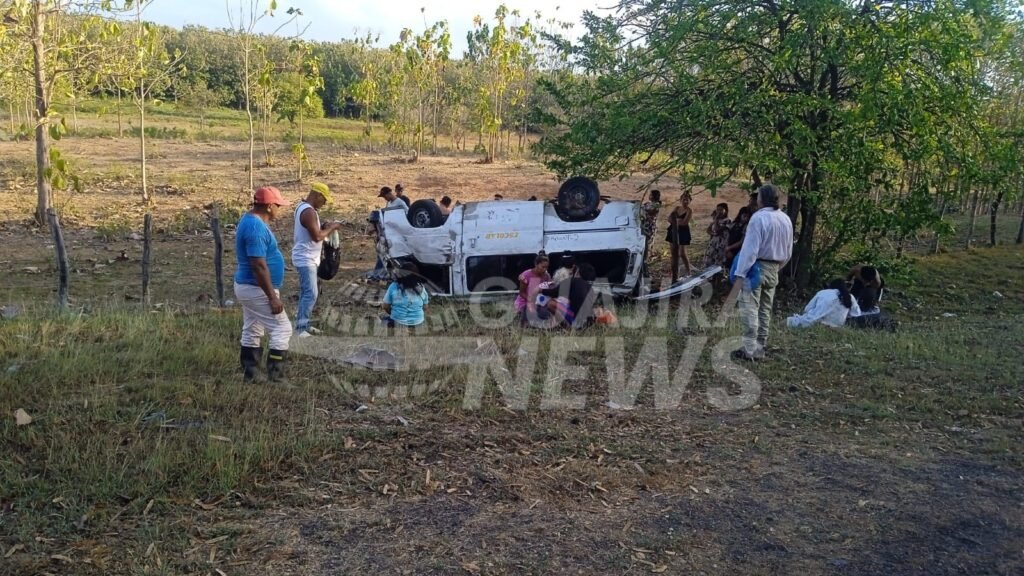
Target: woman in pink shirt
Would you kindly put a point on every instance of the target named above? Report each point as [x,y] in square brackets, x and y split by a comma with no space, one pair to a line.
[530,281]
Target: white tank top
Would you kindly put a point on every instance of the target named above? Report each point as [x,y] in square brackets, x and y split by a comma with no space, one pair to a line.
[305,252]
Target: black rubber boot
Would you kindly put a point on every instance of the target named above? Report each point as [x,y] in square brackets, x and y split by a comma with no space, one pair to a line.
[276,362]
[249,357]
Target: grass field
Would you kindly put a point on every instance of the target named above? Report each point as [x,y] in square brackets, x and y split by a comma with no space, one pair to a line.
[865,452]
[147,455]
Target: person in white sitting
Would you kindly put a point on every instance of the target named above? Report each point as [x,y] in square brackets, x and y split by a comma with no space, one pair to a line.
[830,307]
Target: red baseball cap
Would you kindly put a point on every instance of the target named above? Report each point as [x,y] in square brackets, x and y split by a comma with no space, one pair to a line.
[269,195]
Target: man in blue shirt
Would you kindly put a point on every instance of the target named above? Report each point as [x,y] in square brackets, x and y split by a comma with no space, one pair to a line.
[258,278]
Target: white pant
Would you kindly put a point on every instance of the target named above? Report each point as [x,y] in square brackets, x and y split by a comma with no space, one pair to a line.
[257,318]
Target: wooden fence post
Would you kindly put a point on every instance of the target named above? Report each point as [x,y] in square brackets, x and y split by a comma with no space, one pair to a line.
[147,239]
[218,251]
[62,258]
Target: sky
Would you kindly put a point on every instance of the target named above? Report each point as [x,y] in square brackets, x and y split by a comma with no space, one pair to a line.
[331,20]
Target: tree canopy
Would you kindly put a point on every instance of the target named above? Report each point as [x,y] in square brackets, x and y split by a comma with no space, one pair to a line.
[857,109]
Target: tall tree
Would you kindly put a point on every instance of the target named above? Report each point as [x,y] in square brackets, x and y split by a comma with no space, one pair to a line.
[14,86]
[243,28]
[367,90]
[143,70]
[56,51]
[830,97]
[499,56]
[300,95]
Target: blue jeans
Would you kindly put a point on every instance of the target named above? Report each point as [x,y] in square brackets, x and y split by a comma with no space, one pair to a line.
[308,292]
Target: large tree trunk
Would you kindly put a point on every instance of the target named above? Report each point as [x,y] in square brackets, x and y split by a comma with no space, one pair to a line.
[992,218]
[44,195]
[804,249]
[804,213]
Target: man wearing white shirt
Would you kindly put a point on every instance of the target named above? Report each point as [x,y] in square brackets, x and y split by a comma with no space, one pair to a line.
[392,199]
[768,244]
[307,245]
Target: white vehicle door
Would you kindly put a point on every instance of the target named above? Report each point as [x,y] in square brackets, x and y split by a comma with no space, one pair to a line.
[490,228]
[499,241]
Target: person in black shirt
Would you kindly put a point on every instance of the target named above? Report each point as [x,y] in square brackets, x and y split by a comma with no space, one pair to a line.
[572,301]
[400,192]
[866,286]
[736,233]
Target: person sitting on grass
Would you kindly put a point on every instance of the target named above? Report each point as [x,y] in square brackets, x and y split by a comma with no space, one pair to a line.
[406,300]
[567,269]
[831,307]
[570,304]
[529,284]
[866,286]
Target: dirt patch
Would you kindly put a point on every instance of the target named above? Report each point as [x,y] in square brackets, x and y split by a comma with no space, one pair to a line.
[186,178]
[810,512]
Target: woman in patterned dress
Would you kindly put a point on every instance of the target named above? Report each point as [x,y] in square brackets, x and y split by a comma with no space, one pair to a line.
[715,255]
[649,217]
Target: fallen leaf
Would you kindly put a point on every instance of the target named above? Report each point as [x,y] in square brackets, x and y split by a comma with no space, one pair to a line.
[62,558]
[22,418]
[659,569]
[471,567]
[204,505]
[13,549]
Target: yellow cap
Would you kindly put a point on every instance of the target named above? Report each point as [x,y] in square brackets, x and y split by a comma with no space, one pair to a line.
[322,189]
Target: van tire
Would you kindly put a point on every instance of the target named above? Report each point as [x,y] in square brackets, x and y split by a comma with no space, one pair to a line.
[578,199]
[425,214]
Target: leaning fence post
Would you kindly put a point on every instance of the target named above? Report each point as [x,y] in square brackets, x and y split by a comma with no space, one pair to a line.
[62,258]
[147,238]
[218,250]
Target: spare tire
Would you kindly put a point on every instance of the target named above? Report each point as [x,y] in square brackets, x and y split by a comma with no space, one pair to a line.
[578,199]
[425,214]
